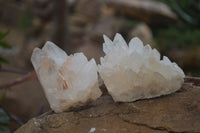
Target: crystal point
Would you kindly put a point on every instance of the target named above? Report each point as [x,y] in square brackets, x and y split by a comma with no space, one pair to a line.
[137,72]
[68,81]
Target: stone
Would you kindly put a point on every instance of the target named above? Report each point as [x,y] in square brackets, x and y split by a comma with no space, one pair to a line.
[174,113]
[191,57]
[89,8]
[142,31]
[152,12]
[91,50]
[108,25]
[91,45]
[136,71]
[68,81]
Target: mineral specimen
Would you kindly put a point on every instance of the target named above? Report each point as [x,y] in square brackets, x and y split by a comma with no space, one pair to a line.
[136,71]
[68,81]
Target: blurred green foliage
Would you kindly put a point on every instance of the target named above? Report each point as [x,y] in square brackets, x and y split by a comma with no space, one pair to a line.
[187,10]
[4,121]
[26,20]
[4,118]
[4,45]
[185,34]
[130,22]
[177,38]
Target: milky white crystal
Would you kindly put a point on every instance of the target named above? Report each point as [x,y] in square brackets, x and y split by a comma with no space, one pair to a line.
[68,81]
[136,71]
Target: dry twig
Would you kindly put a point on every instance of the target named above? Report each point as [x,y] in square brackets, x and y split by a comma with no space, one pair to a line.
[29,76]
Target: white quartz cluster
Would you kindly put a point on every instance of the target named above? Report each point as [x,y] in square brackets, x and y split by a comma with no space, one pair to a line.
[136,71]
[68,81]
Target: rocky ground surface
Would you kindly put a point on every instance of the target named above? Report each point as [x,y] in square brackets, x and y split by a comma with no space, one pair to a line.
[175,113]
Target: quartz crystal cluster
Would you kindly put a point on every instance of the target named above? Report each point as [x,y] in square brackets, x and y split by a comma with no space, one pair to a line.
[134,71]
[68,81]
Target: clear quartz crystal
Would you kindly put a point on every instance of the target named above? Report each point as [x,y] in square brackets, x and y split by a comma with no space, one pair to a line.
[134,71]
[68,81]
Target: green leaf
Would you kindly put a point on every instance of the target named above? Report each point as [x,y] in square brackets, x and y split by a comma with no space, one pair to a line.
[3,34]
[4,129]
[4,118]
[26,19]
[2,60]
[4,44]
[3,95]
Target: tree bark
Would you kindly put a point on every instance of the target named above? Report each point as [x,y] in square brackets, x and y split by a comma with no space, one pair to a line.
[61,35]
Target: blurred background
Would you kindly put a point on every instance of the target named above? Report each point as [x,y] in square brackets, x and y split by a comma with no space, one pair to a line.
[171,26]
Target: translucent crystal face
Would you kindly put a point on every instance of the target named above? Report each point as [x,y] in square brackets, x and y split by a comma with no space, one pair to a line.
[68,81]
[135,71]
